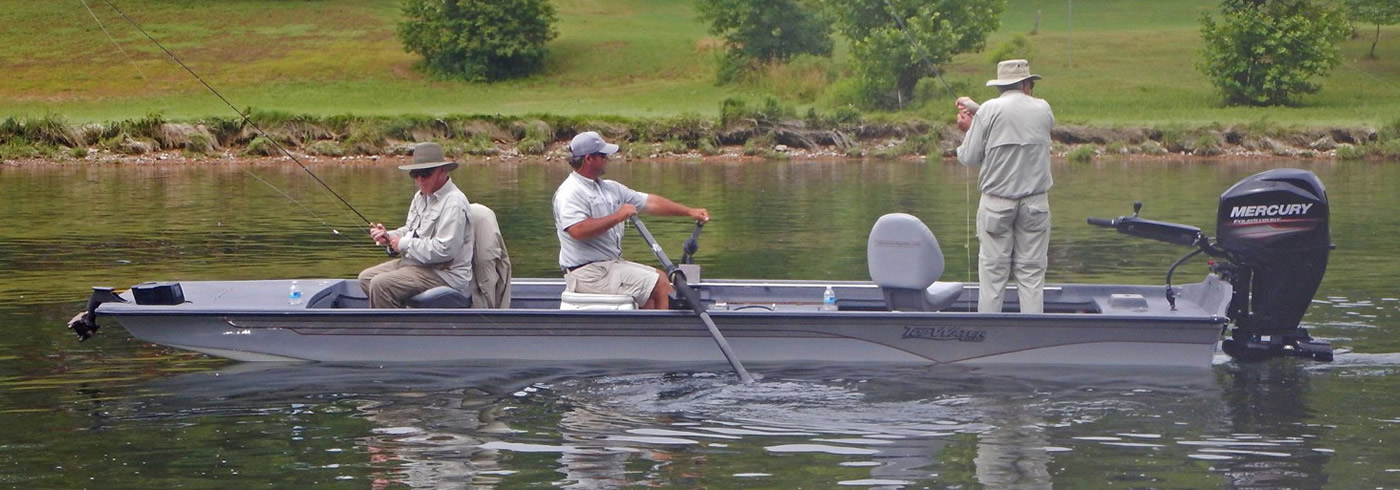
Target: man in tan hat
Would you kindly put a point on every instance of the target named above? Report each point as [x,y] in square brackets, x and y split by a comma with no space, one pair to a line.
[588,216]
[434,244]
[1009,137]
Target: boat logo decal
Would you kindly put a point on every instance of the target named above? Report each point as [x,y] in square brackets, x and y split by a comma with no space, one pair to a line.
[1270,210]
[945,333]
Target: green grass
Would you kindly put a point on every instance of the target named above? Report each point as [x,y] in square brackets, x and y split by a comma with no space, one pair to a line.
[1112,63]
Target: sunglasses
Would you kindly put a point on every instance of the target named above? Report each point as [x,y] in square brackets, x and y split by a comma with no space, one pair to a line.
[422,173]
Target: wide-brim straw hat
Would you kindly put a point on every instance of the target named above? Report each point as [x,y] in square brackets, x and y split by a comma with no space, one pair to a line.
[1011,72]
[428,155]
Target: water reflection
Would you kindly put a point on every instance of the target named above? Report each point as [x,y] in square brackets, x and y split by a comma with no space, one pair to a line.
[488,425]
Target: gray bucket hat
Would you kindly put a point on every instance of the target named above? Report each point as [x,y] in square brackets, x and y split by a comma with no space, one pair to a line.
[428,155]
[1011,72]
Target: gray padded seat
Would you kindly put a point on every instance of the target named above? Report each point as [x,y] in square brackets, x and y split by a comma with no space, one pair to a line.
[440,297]
[905,261]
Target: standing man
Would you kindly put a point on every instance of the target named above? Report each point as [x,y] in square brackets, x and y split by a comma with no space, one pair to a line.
[1009,136]
[435,242]
[588,216]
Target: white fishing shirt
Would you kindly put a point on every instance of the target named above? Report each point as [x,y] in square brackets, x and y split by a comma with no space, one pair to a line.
[579,198]
[438,234]
[1010,139]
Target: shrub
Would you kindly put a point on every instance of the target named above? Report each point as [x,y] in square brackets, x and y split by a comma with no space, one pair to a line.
[1390,131]
[1150,147]
[15,148]
[326,148]
[708,148]
[534,139]
[855,151]
[1266,52]
[481,145]
[479,41]
[52,129]
[262,146]
[200,143]
[1016,48]
[1348,152]
[673,146]
[1082,154]
[1206,145]
[764,31]
[1390,149]
[894,43]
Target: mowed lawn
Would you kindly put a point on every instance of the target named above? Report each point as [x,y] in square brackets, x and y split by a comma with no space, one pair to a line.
[1106,62]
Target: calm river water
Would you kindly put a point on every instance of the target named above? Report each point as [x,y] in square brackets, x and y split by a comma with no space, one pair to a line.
[117,413]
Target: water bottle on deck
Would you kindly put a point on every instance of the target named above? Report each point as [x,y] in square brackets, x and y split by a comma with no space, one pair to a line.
[294,294]
[828,300]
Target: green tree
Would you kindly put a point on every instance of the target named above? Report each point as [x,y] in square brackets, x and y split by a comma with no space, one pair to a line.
[478,40]
[767,30]
[1379,12]
[894,43]
[1265,52]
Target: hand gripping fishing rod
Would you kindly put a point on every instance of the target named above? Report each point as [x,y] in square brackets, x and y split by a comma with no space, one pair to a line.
[692,297]
[245,118]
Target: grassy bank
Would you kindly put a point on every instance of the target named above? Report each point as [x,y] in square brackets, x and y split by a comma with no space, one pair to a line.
[1109,63]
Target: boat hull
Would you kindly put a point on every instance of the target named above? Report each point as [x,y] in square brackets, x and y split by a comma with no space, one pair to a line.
[783,331]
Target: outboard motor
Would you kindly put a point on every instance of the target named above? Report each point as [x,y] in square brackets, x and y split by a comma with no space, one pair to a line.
[1274,235]
[1274,228]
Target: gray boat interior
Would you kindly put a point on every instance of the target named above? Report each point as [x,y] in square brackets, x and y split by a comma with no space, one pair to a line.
[904,261]
[1207,298]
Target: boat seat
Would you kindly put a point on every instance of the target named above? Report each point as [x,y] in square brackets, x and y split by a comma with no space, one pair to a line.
[905,260]
[439,297]
[588,301]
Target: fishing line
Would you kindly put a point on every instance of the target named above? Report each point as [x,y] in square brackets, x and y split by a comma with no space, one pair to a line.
[115,43]
[250,173]
[245,118]
[967,172]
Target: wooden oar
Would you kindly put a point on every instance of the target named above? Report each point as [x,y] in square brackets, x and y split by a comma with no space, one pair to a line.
[692,297]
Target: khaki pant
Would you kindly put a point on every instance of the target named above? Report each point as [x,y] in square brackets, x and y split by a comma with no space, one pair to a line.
[614,277]
[389,285]
[1015,237]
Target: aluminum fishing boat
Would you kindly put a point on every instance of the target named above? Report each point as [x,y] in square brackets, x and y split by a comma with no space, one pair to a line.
[1270,254]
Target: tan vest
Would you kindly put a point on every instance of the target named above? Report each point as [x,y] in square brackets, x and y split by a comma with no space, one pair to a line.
[490,261]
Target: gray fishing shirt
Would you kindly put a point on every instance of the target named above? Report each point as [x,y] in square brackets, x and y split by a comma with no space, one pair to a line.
[1010,139]
[438,234]
[580,198]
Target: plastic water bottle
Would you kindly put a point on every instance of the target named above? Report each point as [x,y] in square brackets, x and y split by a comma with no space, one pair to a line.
[828,299]
[294,294]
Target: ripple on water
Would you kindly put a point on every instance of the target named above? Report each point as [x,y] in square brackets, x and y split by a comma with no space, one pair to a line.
[873,482]
[820,448]
[1244,451]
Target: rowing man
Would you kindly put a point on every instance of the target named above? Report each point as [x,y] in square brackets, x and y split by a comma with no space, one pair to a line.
[588,215]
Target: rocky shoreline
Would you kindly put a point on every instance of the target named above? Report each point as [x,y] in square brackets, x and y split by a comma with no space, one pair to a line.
[748,136]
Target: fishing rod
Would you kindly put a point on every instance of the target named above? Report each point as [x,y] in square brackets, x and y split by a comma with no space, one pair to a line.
[230,105]
[967,178]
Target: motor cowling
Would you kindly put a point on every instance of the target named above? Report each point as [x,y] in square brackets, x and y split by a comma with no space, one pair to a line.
[1275,228]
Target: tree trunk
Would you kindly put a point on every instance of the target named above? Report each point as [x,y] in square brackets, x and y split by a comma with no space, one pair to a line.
[1376,40]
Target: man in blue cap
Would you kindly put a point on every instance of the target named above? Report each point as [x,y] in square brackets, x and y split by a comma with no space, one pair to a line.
[588,216]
